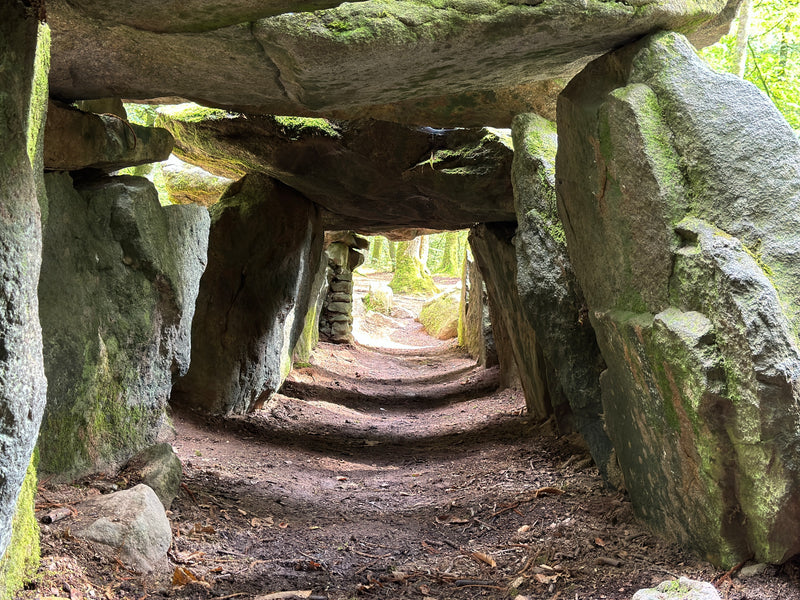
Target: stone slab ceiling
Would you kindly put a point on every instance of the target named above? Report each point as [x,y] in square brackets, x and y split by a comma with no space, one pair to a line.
[422,62]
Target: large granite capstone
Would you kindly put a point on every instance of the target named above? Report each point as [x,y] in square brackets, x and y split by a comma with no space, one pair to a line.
[423,62]
[679,190]
[369,175]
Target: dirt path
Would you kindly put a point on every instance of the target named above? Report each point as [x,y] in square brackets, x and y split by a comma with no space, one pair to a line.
[390,476]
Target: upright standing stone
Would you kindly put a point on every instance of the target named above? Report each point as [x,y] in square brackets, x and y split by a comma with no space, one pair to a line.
[120,276]
[474,325]
[264,248]
[23,96]
[550,295]
[494,253]
[679,190]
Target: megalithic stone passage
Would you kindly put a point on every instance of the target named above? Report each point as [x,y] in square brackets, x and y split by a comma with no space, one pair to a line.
[679,190]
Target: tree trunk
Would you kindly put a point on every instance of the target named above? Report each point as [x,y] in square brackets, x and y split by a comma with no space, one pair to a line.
[410,274]
[742,33]
[450,263]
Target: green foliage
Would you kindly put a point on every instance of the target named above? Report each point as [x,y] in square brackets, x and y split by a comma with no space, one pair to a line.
[142,114]
[379,257]
[446,254]
[296,127]
[773,48]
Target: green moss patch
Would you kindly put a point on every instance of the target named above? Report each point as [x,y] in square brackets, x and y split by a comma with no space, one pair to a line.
[439,316]
[296,127]
[189,112]
[21,560]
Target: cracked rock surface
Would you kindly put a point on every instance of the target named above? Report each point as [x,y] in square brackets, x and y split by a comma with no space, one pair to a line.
[424,62]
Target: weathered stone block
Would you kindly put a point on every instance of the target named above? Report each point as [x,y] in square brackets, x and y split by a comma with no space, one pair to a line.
[74,140]
[254,296]
[683,234]
[475,63]
[131,524]
[552,300]
[339,307]
[339,318]
[495,255]
[340,285]
[342,297]
[23,81]
[119,279]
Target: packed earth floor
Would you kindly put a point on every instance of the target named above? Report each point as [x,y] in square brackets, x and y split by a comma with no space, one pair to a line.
[388,473]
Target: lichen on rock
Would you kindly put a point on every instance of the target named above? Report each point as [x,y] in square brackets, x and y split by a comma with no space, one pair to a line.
[119,279]
[685,246]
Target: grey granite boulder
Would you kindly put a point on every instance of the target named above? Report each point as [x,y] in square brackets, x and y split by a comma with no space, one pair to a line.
[679,190]
[552,300]
[23,81]
[264,249]
[159,468]
[494,252]
[683,589]
[368,175]
[117,293]
[74,139]
[130,524]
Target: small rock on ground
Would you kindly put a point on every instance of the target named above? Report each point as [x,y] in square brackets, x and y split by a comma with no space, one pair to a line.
[683,589]
[132,523]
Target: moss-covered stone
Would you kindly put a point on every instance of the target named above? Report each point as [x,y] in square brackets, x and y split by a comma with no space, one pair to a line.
[297,127]
[686,249]
[517,341]
[189,112]
[439,316]
[116,308]
[188,184]
[80,140]
[19,564]
[254,296]
[551,297]
[23,81]
[371,175]
[454,62]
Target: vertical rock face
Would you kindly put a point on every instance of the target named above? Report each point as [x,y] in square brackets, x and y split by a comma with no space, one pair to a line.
[474,325]
[264,248]
[550,295]
[119,280]
[679,189]
[494,253]
[22,383]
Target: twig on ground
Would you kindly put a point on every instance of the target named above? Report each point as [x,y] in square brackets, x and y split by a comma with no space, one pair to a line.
[188,491]
[727,575]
